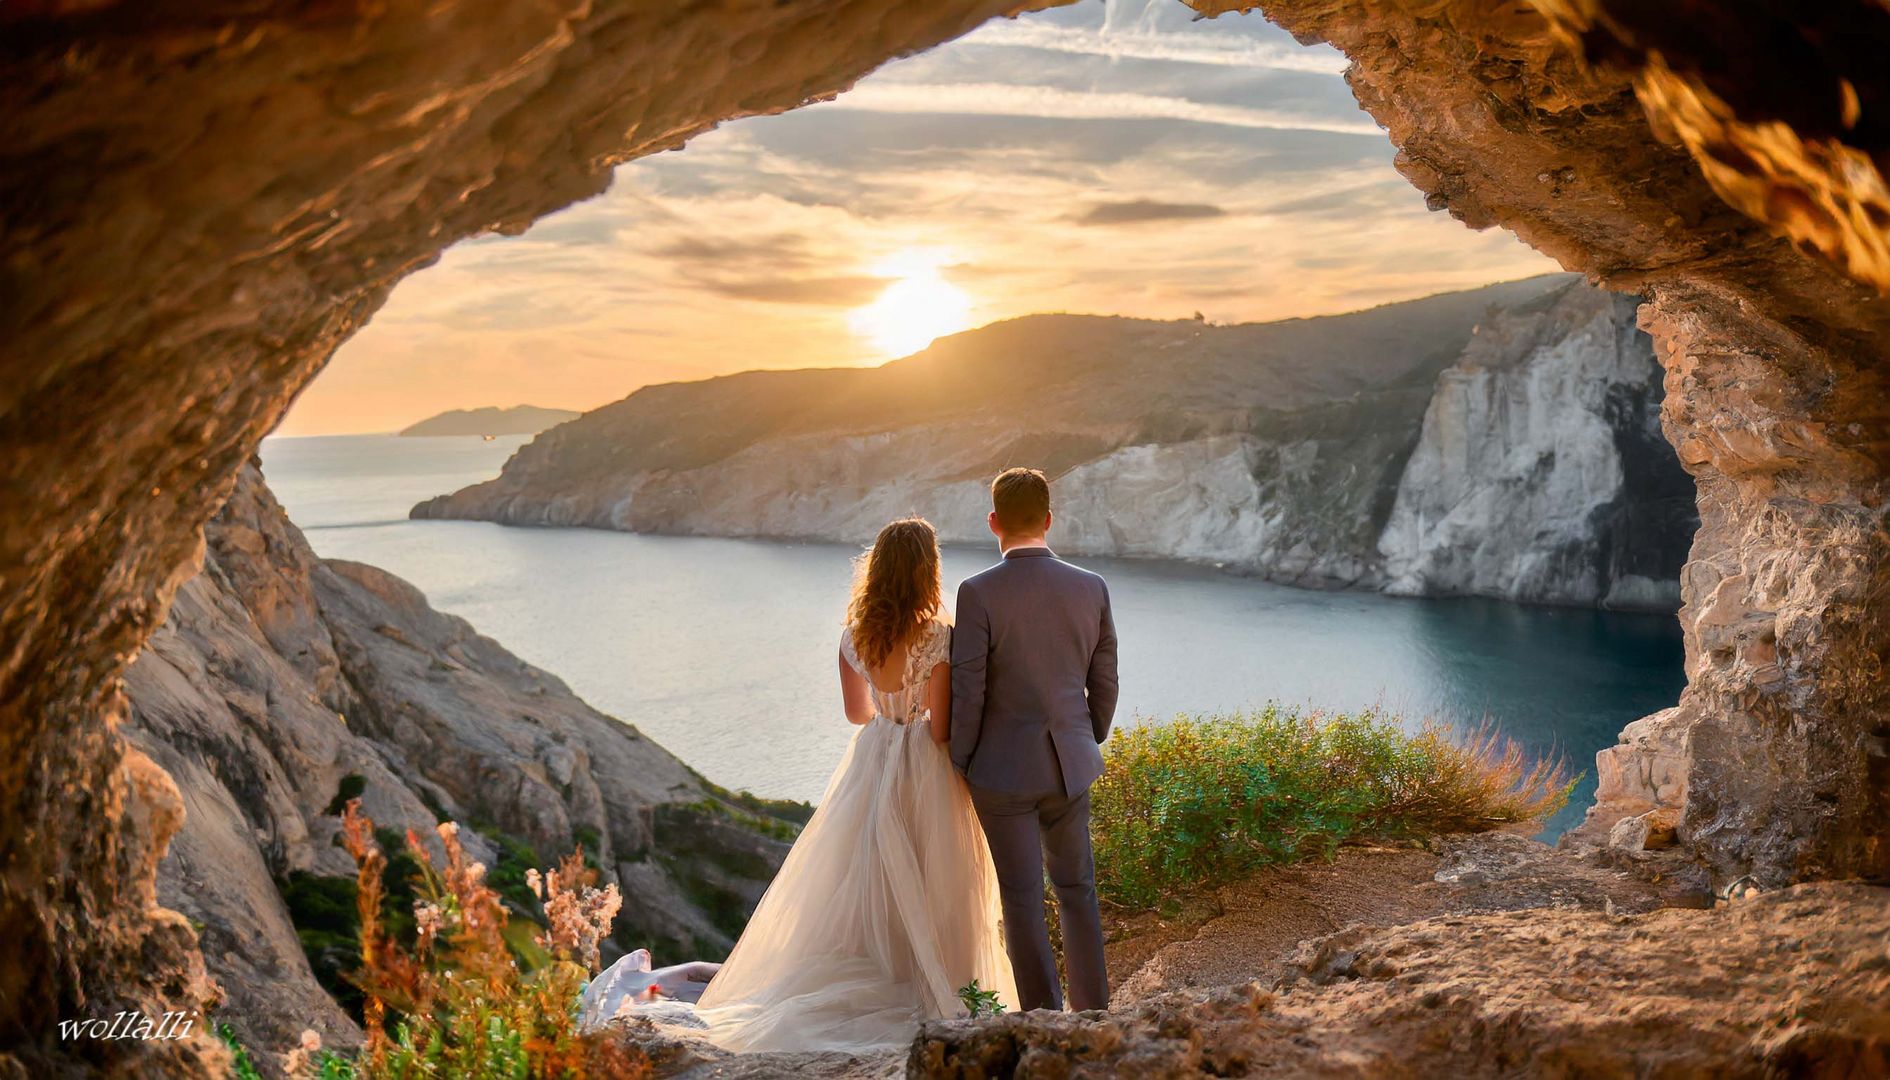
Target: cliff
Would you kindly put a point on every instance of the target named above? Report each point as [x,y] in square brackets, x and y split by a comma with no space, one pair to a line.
[283,683]
[1502,441]
[491,420]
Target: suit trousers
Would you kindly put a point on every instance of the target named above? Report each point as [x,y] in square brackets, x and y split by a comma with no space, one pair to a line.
[1028,834]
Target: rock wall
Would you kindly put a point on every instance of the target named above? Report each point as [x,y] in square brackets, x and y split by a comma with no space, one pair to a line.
[281,682]
[1538,473]
[199,205]
[1569,130]
[1541,474]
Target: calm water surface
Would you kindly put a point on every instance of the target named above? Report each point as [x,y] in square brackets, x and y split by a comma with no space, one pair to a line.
[723,650]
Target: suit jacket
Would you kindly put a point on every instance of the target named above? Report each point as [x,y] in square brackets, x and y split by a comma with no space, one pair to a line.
[1033,675]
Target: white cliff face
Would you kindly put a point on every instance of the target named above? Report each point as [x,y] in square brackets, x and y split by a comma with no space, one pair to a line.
[1226,500]
[1521,458]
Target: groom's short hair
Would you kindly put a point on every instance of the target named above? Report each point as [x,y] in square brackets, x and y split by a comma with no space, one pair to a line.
[1021,499]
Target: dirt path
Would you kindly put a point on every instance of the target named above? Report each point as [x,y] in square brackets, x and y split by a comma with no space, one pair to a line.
[1245,932]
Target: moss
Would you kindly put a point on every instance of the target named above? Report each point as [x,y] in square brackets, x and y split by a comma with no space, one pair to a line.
[432,803]
[587,837]
[706,845]
[352,785]
[322,909]
[506,875]
[772,827]
[792,811]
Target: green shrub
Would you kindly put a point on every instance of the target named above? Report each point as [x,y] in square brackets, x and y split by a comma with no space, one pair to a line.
[513,860]
[1203,800]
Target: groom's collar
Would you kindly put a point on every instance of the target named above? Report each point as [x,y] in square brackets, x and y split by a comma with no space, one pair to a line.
[1031,552]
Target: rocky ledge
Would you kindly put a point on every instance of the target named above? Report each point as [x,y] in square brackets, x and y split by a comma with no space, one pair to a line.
[1481,955]
[283,684]
[1791,983]
[1500,442]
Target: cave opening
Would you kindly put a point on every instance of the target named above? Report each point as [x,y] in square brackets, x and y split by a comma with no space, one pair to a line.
[188,243]
[1077,183]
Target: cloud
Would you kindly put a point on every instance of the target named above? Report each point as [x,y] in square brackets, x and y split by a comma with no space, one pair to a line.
[1006,99]
[1186,48]
[783,250]
[821,291]
[749,247]
[1139,211]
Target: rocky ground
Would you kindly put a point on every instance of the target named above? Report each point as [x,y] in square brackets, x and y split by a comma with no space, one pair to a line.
[1792,983]
[1485,955]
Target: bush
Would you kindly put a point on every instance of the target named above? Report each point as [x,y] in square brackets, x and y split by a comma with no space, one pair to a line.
[453,998]
[1203,800]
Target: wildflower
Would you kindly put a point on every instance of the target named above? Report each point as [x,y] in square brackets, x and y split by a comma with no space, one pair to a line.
[457,1000]
[302,1058]
[428,918]
[535,882]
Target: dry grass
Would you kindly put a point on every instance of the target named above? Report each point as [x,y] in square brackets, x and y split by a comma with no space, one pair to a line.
[454,997]
[1200,801]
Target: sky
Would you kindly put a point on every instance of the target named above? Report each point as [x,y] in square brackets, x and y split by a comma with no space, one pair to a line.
[1118,159]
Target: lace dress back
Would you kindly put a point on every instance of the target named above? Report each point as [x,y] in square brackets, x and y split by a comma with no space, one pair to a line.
[906,705]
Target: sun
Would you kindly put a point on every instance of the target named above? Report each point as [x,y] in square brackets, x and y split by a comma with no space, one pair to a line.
[918,307]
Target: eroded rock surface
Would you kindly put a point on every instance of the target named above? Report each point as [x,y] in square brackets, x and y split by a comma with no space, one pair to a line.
[1541,473]
[282,683]
[199,206]
[1515,428]
[1791,983]
[1775,366]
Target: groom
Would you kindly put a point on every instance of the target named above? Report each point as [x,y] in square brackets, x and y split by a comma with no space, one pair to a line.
[1033,692]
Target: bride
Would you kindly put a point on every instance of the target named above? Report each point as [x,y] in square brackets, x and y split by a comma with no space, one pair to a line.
[888,902]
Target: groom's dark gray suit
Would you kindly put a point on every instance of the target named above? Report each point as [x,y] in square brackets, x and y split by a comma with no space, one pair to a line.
[1033,694]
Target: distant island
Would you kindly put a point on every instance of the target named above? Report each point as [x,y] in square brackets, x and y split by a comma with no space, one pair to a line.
[491,420]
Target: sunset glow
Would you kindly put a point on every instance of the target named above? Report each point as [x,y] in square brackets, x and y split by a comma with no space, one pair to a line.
[917,308]
[1121,159]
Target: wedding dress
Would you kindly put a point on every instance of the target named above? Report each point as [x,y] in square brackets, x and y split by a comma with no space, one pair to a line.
[886,905]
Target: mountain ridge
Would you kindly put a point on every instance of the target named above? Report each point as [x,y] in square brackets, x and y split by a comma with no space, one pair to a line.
[1278,449]
[489,420]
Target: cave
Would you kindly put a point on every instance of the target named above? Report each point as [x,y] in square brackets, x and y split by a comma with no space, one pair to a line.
[201,203]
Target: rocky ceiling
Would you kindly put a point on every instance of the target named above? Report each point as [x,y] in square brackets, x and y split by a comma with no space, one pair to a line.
[199,202]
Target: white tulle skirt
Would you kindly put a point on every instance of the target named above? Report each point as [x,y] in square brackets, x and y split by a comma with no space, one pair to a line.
[885,907]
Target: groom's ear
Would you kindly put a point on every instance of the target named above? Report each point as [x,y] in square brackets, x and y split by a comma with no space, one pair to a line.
[1049,519]
[996,529]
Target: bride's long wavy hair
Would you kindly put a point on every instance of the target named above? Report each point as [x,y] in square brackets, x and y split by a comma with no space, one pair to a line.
[896,589]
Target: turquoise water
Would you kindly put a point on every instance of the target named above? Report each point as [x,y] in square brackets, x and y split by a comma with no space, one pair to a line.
[723,650]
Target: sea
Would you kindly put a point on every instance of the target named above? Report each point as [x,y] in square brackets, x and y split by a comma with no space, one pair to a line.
[723,650]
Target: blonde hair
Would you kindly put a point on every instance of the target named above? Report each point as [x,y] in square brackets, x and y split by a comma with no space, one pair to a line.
[896,589]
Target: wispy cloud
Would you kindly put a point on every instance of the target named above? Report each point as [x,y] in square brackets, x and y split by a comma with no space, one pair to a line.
[1220,50]
[820,291]
[1008,99]
[1144,211]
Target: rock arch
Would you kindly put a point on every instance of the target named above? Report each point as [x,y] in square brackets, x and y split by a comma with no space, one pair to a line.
[201,202]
